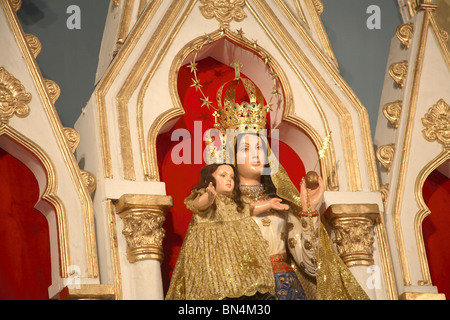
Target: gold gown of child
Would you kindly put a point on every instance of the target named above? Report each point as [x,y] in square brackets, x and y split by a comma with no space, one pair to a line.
[223,255]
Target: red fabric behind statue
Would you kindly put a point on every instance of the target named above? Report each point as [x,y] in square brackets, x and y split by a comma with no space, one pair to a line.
[436,229]
[25,271]
[180,178]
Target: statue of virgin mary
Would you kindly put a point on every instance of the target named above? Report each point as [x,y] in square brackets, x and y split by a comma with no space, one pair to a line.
[304,263]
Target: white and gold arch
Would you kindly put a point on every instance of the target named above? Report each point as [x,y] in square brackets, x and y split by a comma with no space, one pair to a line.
[412,138]
[30,130]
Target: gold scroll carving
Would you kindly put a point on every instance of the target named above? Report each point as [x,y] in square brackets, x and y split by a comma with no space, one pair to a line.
[398,72]
[143,217]
[353,226]
[404,33]
[72,137]
[34,44]
[224,11]
[392,112]
[385,154]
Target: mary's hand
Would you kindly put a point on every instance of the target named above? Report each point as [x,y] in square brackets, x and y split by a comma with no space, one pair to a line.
[314,196]
[275,203]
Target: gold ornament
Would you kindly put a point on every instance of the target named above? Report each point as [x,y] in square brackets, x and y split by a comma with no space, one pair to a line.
[437,123]
[13,98]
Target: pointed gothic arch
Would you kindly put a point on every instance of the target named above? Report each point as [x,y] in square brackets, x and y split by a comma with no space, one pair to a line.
[234,46]
[49,204]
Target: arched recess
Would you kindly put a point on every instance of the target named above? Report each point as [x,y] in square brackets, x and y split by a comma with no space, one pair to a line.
[49,204]
[226,46]
[25,267]
[299,141]
[432,223]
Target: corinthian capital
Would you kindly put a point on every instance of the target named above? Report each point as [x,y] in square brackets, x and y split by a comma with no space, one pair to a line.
[143,217]
[353,226]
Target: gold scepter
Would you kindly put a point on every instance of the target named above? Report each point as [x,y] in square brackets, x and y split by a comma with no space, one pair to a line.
[311,177]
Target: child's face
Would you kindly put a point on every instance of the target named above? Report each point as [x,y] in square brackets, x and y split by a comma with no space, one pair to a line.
[224,176]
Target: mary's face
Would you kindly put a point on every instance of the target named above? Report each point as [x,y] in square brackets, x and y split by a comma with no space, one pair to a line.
[250,156]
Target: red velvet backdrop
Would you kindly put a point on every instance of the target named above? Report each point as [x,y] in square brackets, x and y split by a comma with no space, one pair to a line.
[25,271]
[436,229]
[181,178]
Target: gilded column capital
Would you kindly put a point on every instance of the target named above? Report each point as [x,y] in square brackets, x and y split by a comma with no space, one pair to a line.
[143,217]
[353,226]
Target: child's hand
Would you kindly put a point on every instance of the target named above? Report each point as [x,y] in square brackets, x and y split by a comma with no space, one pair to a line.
[212,193]
[275,203]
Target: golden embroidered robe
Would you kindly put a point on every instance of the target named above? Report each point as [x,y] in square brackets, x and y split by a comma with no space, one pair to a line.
[223,255]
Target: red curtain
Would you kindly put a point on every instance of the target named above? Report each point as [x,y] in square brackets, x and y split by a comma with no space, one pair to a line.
[180,178]
[25,271]
[436,229]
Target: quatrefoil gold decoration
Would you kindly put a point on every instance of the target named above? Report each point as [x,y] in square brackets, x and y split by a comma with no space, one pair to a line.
[223,10]
[13,98]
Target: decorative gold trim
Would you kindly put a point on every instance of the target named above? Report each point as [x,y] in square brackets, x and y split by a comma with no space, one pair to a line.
[15,4]
[135,77]
[392,112]
[315,8]
[425,5]
[89,181]
[69,159]
[437,124]
[441,37]
[443,34]
[110,75]
[148,155]
[384,189]
[385,255]
[353,226]
[87,292]
[300,12]
[13,98]
[125,21]
[53,90]
[143,217]
[398,72]
[422,296]
[411,112]
[116,3]
[318,5]
[405,33]
[385,154]
[34,43]
[72,137]
[224,11]
[424,212]
[49,195]
[114,249]
[142,4]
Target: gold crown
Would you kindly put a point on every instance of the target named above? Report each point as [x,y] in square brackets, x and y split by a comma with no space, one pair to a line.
[251,113]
